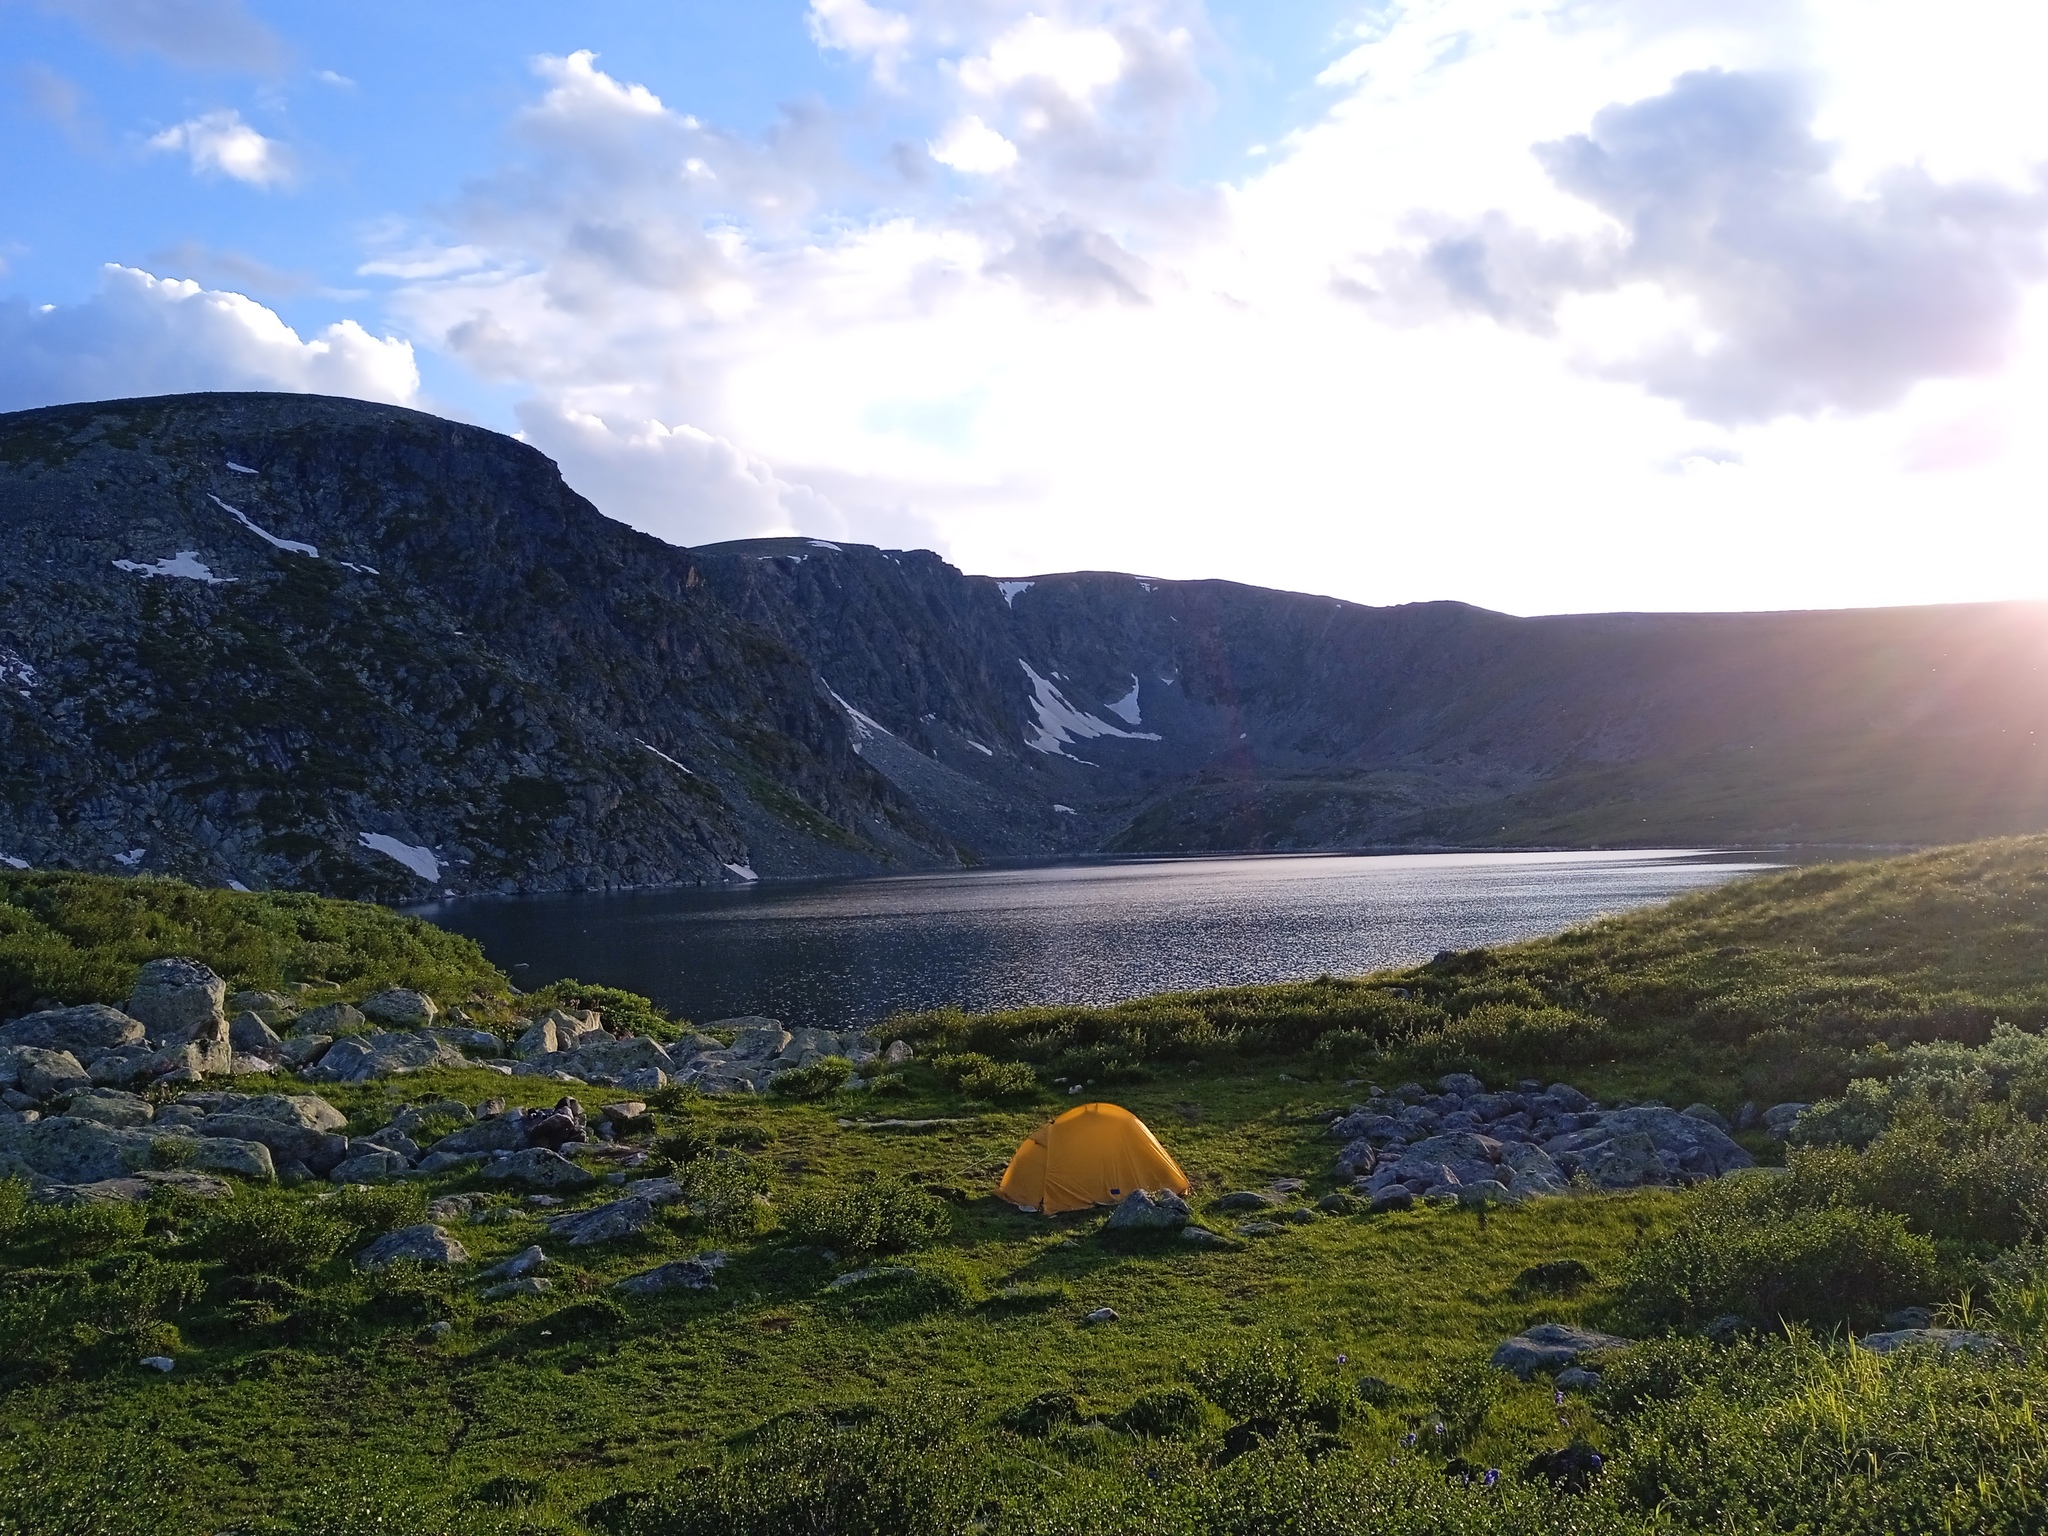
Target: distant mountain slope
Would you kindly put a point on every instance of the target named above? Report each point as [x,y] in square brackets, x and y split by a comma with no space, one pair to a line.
[1290,721]
[282,640]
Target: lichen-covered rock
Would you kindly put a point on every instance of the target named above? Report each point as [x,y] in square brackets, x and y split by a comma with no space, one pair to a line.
[86,1032]
[538,1168]
[602,1223]
[1142,1212]
[608,1058]
[329,1019]
[306,1110]
[359,1058]
[247,1159]
[174,997]
[498,1133]
[41,1074]
[248,1033]
[1552,1346]
[68,1150]
[110,1106]
[400,1007]
[693,1274]
[372,1167]
[423,1244]
[320,1151]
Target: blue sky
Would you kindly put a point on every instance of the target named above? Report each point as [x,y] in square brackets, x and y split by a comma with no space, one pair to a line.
[1545,304]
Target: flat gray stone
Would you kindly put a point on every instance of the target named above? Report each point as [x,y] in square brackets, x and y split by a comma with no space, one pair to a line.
[693,1274]
[369,1168]
[306,1110]
[110,1106]
[329,1019]
[321,1151]
[602,1223]
[246,1159]
[529,1285]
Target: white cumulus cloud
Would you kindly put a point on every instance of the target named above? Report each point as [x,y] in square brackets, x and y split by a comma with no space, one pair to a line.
[144,335]
[221,144]
[972,146]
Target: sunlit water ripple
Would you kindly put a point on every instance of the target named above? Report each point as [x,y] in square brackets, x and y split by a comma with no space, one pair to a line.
[854,951]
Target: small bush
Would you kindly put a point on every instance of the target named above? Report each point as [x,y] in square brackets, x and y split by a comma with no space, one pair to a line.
[1167,1414]
[84,1231]
[895,1475]
[869,1215]
[682,1146]
[724,1193]
[373,1209]
[263,1232]
[1271,1380]
[980,1077]
[821,1079]
[622,1011]
[1037,1417]
[1744,1246]
[1556,1277]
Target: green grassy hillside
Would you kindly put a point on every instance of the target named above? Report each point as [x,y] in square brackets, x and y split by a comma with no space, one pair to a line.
[1329,1378]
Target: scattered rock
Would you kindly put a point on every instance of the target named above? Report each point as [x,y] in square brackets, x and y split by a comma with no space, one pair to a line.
[532,1285]
[40,1073]
[1552,1346]
[1202,1237]
[1778,1119]
[1101,1315]
[306,1110]
[496,1133]
[1337,1203]
[539,1168]
[1142,1212]
[1576,1378]
[694,1274]
[1398,1198]
[139,1186]
[247,1159]
[1909,1317]
[304,1050]
[425,1244]
[524,1262]
[158,1362]
[898,1053]
[359,1058]
[321,1151]
[1708,1113]
[1258,1228]
[608,1058]
[400,1007]
[1245,1200]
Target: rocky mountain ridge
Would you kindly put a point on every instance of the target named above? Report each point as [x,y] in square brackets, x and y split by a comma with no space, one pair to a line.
[287,641]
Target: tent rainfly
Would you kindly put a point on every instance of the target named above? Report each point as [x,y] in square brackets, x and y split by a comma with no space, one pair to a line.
[1093,1155]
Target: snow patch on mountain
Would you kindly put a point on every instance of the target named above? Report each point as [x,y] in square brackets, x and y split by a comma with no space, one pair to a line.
[1011,590]
[289,546]
[1126,707]
[420,861]
[185,563]
[1060,723]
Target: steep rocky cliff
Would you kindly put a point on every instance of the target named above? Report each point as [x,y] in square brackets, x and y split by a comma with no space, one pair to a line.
[291,641]
[288,641]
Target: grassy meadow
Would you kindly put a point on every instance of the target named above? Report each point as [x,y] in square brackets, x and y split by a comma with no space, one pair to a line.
[1329,1378]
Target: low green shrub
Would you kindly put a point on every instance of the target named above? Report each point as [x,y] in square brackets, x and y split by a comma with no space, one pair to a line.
[1165,1414]
[265,1232]
[821,1079]
[373,1209]
[1747,1245]
[623,1012]
[1269,1378]
[866,1215]
[902,1474]
[724,1194]
[1037,1417]
[981,1077]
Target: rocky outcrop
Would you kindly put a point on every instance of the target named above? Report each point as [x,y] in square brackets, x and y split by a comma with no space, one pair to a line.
[1461,1142]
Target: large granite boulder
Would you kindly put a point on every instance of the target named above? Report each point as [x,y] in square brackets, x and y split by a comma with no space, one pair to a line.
[110,1106]
[371,1165]
[538,1168]
[359,1058]
[86,1032]
[693,1274]
[602,1223]
[70,1150]
[755,1038]
[423,1244]
[498,1133]
[609,1058]
[41,1074]
[1142,1212]
[329,1019]
[227,1154]
[248,1033]
[320,1151]
[307,1110]
[174,997]
[400,1007]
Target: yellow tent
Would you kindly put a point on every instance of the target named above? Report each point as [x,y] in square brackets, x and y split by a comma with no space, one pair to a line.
[1094,1155]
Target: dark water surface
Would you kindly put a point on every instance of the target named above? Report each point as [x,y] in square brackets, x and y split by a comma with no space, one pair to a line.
[854,951]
